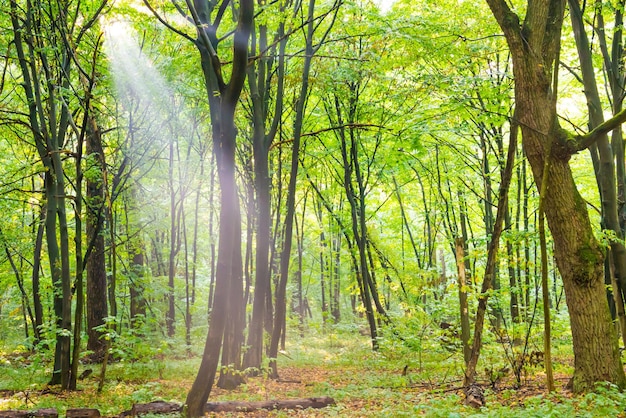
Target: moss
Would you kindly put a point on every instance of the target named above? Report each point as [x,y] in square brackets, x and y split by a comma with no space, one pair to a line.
[590,258]
[590,255]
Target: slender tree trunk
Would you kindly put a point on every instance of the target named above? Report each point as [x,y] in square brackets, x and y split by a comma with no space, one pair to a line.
[79,285]
[513,279]
[490,268]
[547,322]
[173,241]
[112,279]
[323,264]
[37,305]
[97,306]
[280,308]
[27,311]
[213,257]
[526,218]
[463,305]
[336,273]
[136,289]
[188,301]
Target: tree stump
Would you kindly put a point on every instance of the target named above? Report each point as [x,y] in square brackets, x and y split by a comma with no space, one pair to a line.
[474,396]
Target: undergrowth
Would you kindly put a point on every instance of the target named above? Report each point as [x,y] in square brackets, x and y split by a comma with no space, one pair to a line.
[419,377]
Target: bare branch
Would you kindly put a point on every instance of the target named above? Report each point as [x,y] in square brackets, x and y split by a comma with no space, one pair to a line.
[165,23]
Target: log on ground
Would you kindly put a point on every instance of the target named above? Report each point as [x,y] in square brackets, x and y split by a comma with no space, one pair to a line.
[43,413]
[156,407]
[82,413]
[14,414]
[237,406]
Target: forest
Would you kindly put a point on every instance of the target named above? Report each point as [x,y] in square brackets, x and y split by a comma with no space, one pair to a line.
[312,208]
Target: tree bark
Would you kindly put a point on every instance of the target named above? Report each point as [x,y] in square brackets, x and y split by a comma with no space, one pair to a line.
[535,51]
[606,167]
[258,75]
[463,305]
[97,306]
[37,305]
[223,99]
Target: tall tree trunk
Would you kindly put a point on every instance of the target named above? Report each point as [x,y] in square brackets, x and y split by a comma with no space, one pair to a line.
[323,244]
[258,75]
[97,306]
[535,52]
[37,305]
[360,236]
[136,289]
[43,36]
[280,308]
[213,239]
[492,254]
[174,239]
[335,310]
[79,283]
[223,98]
[463,305]
[606,165]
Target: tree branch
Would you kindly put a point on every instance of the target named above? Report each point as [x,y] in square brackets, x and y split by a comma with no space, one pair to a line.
[582,142]
[507,20]
[165,23]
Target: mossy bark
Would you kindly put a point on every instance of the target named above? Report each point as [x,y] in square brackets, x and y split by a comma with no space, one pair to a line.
[534,47]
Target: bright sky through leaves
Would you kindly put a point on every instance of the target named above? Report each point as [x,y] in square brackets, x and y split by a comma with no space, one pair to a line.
[384,5]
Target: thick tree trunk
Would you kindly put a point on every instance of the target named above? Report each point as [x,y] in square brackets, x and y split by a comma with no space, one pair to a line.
[605,166]
[535,50]
[577,252]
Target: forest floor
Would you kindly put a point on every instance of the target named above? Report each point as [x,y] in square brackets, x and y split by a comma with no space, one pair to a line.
[388,383]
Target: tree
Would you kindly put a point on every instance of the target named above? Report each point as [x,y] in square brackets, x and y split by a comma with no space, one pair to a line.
[260,76]
[535,46]
[608,158]
[97,307]
[47,38]
[223,97]
[310,50]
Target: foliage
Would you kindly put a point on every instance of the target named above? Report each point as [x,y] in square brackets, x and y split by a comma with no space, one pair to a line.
[423,92]
[337,364]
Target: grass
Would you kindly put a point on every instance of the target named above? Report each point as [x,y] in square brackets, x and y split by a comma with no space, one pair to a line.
[336,364]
